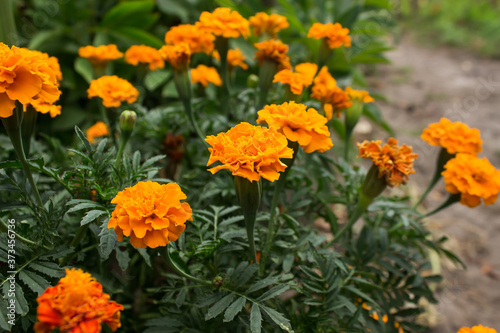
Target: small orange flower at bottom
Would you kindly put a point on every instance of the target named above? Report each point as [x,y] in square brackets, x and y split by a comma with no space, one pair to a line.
[205,75]
[477,329]
[150,213]
[473,178]
[76,304]
[394,163]
[249,151]
[97,130]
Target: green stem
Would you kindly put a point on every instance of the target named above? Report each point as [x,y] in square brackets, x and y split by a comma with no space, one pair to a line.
[194,123]
[443,158]
[12,126]
[250,227]
[79,235]
[26,241]
[8,33]
[165,254]
[453,198]
[278,190]
[222,46]
[28,128]
[267,71]
[123,142]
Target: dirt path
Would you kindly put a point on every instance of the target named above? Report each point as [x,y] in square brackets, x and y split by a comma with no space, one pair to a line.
[423,85]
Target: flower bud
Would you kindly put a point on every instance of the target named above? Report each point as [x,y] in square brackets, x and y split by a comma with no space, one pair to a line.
[127,121]
[217,281]
[252,81]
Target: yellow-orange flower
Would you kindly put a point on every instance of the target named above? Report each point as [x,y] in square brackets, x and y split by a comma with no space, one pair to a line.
[236,58]
[44,107]
[334,34]
[473,178]
[197,39]
[177,55]
[249,151]
[205,75]
[275,51]
[455,137]
[298,124]
[394,163]
[301,78]
[262,23]
[358,95]
[477,329]
[113,91]
[146,55]
[333,98]
[76,304]
[224,22]
[26,76]
[100,55]
[97,130]
[150,213]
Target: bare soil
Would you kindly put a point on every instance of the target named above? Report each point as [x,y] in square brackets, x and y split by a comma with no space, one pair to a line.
[422,85]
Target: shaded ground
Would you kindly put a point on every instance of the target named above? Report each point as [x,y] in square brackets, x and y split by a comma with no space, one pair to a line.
[423,85]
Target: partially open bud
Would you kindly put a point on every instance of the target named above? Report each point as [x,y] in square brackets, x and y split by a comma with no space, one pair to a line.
[127,121]
[252,81]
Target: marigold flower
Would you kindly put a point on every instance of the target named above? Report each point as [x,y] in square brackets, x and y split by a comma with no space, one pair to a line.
[273,50]
[177,55]
[334,34]
[26,76]
[44,107]
[224,22]
[113,91]
[455,137]
[236,58]
[298,124]
[249,151]
[205,75]
[333,98]
[144,54]
[394,163]
[358,95]
[97,130]
[151,214]
[197,39]
[298,80]
[473,178]
[262,23]
[477,329]
[100,55]
[76,304]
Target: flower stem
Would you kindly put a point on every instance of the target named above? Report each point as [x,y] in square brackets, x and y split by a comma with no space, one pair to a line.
[12,126]
[7,26]
[165,254]
[222,46]
[280,185]
[26,241]
[453,198]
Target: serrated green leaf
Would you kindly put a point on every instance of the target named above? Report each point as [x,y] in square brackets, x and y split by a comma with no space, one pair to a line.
[255,319]
[273,292]
[83,139]
[83,205]
[34,281]
[150,161]
[107,241]
[234,309]
[48,268]
[220,306]
[92,216]
[144,253]
[181,297]
[278,318]
[3,315]
[123,258]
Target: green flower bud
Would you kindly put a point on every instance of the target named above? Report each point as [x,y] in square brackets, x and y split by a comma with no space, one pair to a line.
[127,121]
[252,81]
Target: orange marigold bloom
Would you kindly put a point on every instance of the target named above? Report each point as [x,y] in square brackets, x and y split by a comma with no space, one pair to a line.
[44,107]
[26,76]
[144,54]
[76,304]
[274,50]
[358,95]
[249,151]
[477,329]
[455,137]
[100,55]
[334,34]
[262,23]
[197,39]
[178,55]
[394,163]
[150,213]
[224,22]
[298,124]
[473,178]
[113,91]
[236,58]
[325,89]
[205,75]
[97,130]
[298,80]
